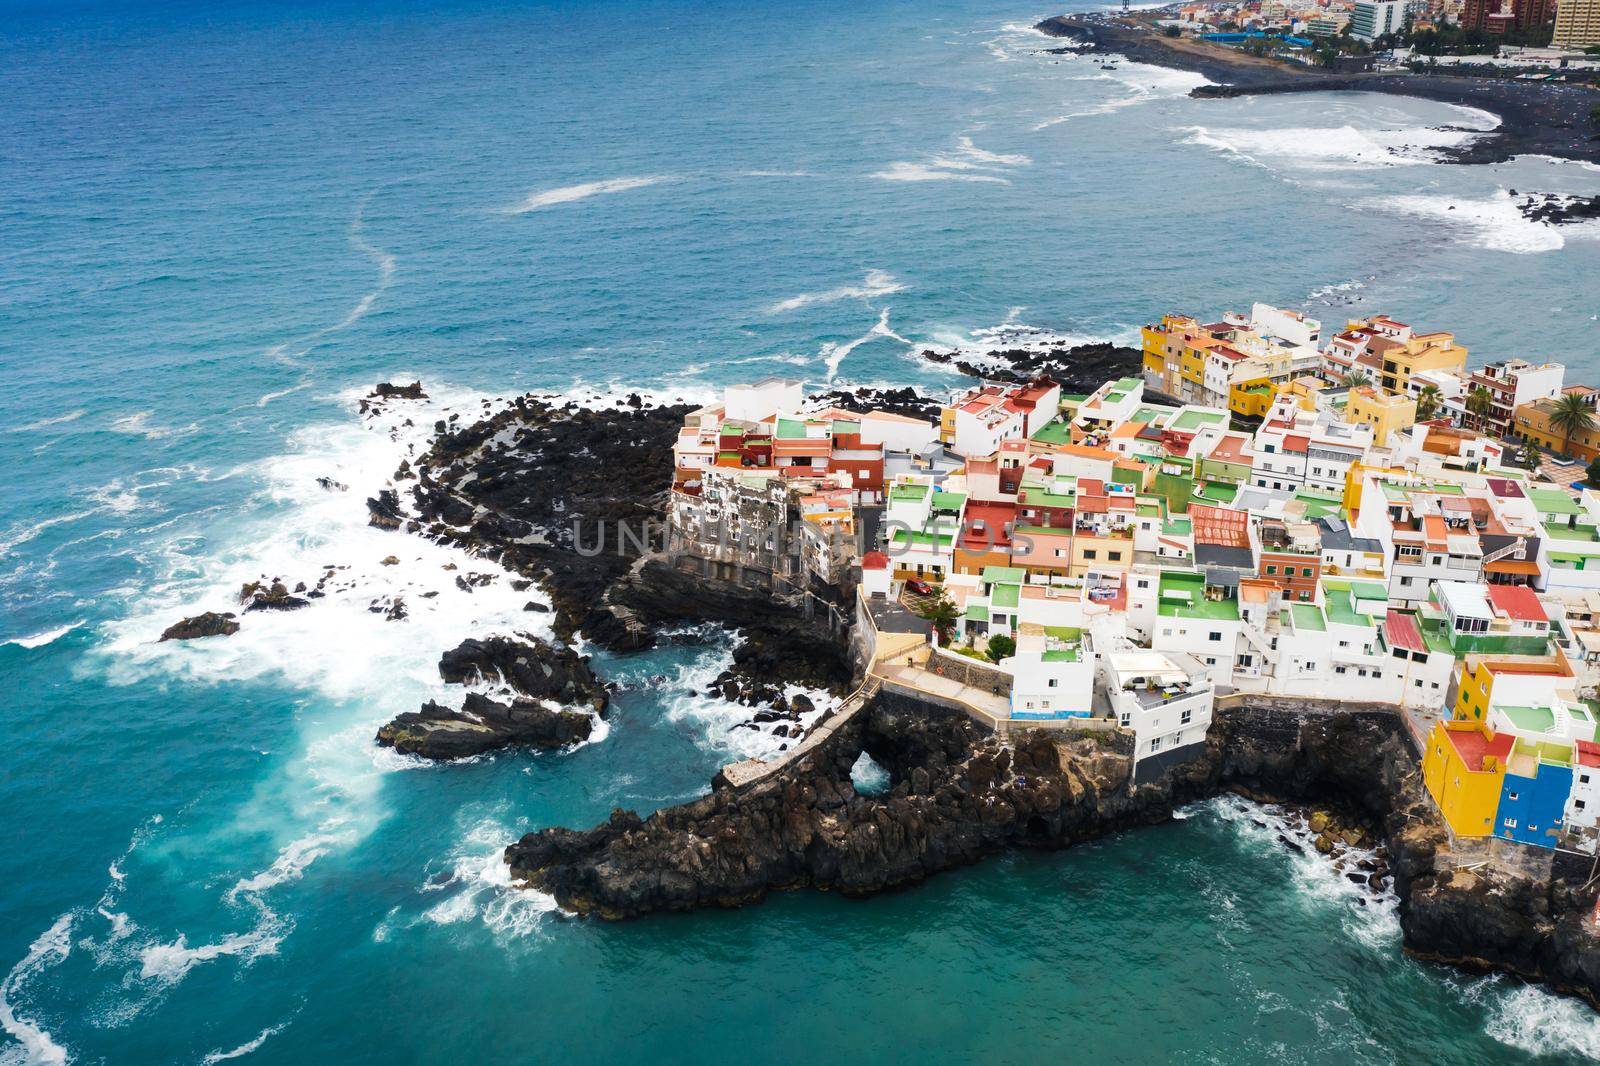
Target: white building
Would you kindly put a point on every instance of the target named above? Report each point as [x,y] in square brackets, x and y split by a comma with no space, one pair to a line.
[1371,19]
[1165,700]
[1052,674]
[761,400]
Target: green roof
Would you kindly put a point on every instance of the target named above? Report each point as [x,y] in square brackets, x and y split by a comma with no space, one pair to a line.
[1217,491]
[908,492]
[1570,533]
[1530,719]
[1056,431]
[1194,419]
[1145,414]
[1126,384]
[791,429]
[1061,655]
[1182,595]
[1177,527]
[975,613]
[950,501]
[1553,501]
[1064,632]
[1005,595]
[842,426]
[1308,617]
[1074,397]
[936,540]
[1012,575]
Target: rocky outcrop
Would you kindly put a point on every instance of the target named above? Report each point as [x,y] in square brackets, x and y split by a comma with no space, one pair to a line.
[1554,209]
[902,401]
[209,624]
[956,794]
[272,595]
[388,390]
[540,673]
[531,666]
[482,725]
[1485,919]
[1080,368]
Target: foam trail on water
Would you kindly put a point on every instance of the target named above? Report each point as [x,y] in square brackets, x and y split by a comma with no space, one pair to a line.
[567,194]
[967,163]
[39,640]
[47,950]
[70,416]
[244,1049]
[833,354]
[483,888]
[876,283]
[1495,223]
[290,352]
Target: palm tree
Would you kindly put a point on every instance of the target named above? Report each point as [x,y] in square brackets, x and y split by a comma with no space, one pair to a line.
[1428,401]
[1355,378]
[1572,414]
[1479,401]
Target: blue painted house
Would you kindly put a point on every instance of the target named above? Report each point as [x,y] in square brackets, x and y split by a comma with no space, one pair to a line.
[1534,797]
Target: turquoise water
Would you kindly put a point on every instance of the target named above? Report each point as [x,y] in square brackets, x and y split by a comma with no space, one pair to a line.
[222,224]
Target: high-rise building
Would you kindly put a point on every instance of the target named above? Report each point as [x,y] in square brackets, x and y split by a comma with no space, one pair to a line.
[1371,19]
[1500,16]
[1577,24]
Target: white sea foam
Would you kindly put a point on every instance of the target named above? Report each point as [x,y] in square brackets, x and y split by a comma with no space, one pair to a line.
[295,857]
[967,162]
[567,194]
[779,174]
[39,640]
[47,950]
[1370,919]
[1343,147]
[56,420]
[1537,1022]
[726,728]
[901,171]
[834,353]
[481,889]
[167,964]
[876,283]
[1494,223]
[23,532]
[138,425]
[245,1048]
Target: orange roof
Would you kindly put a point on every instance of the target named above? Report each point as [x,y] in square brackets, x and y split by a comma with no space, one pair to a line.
[1517,567]
[1219,525]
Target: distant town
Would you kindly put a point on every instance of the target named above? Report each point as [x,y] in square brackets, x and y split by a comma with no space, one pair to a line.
[1356,35]
[1354,517]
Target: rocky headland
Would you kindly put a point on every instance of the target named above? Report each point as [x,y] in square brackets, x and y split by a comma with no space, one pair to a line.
[1536,117]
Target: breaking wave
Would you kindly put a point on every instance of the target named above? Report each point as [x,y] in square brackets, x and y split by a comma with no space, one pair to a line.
[567,194]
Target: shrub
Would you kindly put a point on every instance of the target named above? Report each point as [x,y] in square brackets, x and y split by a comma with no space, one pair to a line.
[1000,646]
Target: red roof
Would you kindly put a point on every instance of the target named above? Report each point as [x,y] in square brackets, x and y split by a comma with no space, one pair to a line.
[1400,630]
[1474,747]
[1296,442]
[1518,602]
[875,561]
[1588,753]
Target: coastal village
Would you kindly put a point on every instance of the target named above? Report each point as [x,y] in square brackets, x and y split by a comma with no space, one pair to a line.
[1342,518]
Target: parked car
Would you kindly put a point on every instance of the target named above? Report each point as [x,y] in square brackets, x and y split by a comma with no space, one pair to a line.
[919,588]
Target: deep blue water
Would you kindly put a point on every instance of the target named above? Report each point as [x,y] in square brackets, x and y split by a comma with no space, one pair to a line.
[219,224]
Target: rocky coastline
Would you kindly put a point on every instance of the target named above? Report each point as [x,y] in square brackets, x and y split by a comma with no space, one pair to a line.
[1536,118]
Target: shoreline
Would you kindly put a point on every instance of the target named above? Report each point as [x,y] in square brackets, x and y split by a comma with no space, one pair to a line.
[1536,118]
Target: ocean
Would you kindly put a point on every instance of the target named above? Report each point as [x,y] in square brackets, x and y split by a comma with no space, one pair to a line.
[223,223]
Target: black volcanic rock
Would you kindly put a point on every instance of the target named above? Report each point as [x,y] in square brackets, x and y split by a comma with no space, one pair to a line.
[531,666]
[209,624]
[482,724]
[1079,368]
[1554,209]
[270,596]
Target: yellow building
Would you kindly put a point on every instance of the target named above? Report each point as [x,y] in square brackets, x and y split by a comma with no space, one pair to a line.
[1251,398]
[1419,352]
[1386,413]
[1464,769]
[1533,424]
[1522,681]
[1577,24]
[1303,391]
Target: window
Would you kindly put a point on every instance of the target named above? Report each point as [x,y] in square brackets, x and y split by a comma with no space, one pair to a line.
[1272,569]
[1127,719]
[1512,796]
[1579,804]
[1155,744]
[1338,669]
[1307,572]
[1143,584]
[1089,553]
[1184,718]
[1510,823]
[1214,636]
[1051,683]
[1114,556]
[1211,660]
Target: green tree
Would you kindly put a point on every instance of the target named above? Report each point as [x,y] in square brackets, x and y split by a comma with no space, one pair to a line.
[1172,31]
[1572,414]
[1355,378]
[1479,402]
[1591,475]
[1428,401]
[943,614]
[1000,646]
